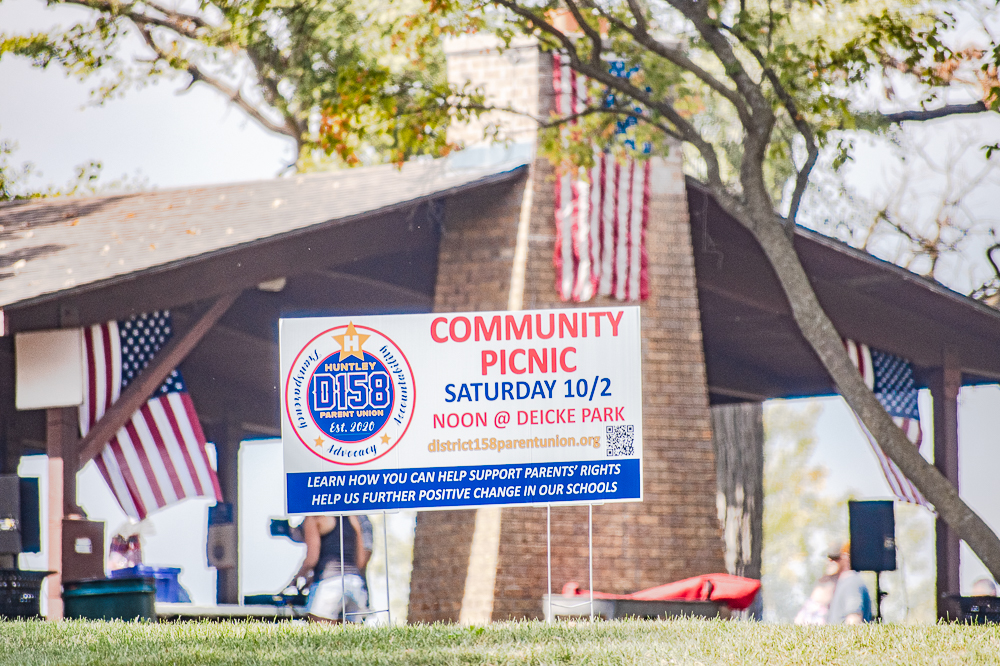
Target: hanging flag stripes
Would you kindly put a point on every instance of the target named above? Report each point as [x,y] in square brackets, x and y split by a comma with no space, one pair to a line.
[601,216]
[891,380]
[158,457]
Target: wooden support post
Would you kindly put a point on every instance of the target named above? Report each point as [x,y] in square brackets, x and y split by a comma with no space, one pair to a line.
[71,463]
[9,450]
[945,385]
[10,446]
[226,437]
[61,435]
[738,439]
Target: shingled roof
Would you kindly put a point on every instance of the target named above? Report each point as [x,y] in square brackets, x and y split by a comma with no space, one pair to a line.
[56,245]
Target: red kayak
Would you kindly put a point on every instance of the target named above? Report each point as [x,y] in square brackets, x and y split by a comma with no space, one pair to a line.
[736,592]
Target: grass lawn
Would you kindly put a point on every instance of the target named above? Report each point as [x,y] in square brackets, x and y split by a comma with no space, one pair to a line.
[624,642]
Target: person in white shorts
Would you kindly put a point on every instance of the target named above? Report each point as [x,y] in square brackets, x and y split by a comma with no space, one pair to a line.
[329,593]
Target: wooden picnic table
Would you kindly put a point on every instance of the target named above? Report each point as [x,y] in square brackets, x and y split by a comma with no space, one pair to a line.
[578,605]
[172,612]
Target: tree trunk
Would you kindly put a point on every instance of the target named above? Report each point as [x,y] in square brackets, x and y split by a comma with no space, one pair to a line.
[738,438]
[821,335]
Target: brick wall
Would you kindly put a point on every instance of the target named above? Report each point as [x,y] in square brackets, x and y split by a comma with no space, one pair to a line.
[675,532]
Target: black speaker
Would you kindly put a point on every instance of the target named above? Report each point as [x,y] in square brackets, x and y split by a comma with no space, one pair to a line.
[31,529]
[873,535]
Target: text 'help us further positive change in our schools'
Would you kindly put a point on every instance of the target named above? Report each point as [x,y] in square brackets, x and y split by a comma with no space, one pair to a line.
[461,410]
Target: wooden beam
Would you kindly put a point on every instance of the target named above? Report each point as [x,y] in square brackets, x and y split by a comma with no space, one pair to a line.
[745,294]
[138,392]
[751,379]
[945,386]
[743,396]
[60,424]
[223,396]
[368,283]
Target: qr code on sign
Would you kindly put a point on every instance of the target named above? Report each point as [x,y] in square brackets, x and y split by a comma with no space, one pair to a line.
[621,441]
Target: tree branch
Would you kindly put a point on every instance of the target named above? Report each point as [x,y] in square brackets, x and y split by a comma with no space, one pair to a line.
[593,35]
[641,24]
[551,123]
[593,110]
[823,338]
[233,94]
[934,114]
[598,73]
[292,124]
[989,255]
[723,50]
[173,21]
[177,14]
[188,26]
[803,127]
[542,25]
[642,36]
[760,123]
[686,130]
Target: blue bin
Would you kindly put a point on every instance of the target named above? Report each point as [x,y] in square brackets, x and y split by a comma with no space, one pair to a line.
[168,588]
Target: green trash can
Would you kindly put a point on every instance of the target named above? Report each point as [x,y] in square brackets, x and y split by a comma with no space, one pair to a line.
[110,599]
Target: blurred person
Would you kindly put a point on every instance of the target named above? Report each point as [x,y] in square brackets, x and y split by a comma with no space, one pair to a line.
[817,606]
[330,594]
[125,549]
[851,602]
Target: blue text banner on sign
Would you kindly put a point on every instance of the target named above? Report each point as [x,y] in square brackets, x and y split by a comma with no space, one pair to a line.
[540,483]
[434,411]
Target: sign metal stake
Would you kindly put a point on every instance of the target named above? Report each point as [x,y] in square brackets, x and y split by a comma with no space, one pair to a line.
[548,554]
[385,540]
[590,553]
[343,581]
[590,561]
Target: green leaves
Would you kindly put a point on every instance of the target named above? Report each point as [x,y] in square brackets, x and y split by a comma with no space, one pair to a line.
[82,49]
[353,81]
[843,154]
[11,177]
[399,116]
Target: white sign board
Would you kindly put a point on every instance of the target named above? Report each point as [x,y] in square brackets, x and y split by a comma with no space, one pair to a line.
[49,368]
[461,410]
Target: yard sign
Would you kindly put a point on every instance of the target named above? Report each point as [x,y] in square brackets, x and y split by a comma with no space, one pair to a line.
[460,410]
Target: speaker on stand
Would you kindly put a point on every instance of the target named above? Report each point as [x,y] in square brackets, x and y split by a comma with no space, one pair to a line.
[873,541]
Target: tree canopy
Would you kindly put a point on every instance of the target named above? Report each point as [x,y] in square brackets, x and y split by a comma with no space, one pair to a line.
[358,82]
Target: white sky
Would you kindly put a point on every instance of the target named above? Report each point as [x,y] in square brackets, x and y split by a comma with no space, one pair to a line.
[195,138]
[172,139]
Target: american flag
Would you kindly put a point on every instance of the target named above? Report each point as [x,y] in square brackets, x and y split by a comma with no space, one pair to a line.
[891,380]
[159,457]
[602,215]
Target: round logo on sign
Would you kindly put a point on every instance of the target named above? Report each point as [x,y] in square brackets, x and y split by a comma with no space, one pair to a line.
[349,395]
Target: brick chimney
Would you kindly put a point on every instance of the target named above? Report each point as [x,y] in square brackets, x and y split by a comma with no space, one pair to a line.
[519,77]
